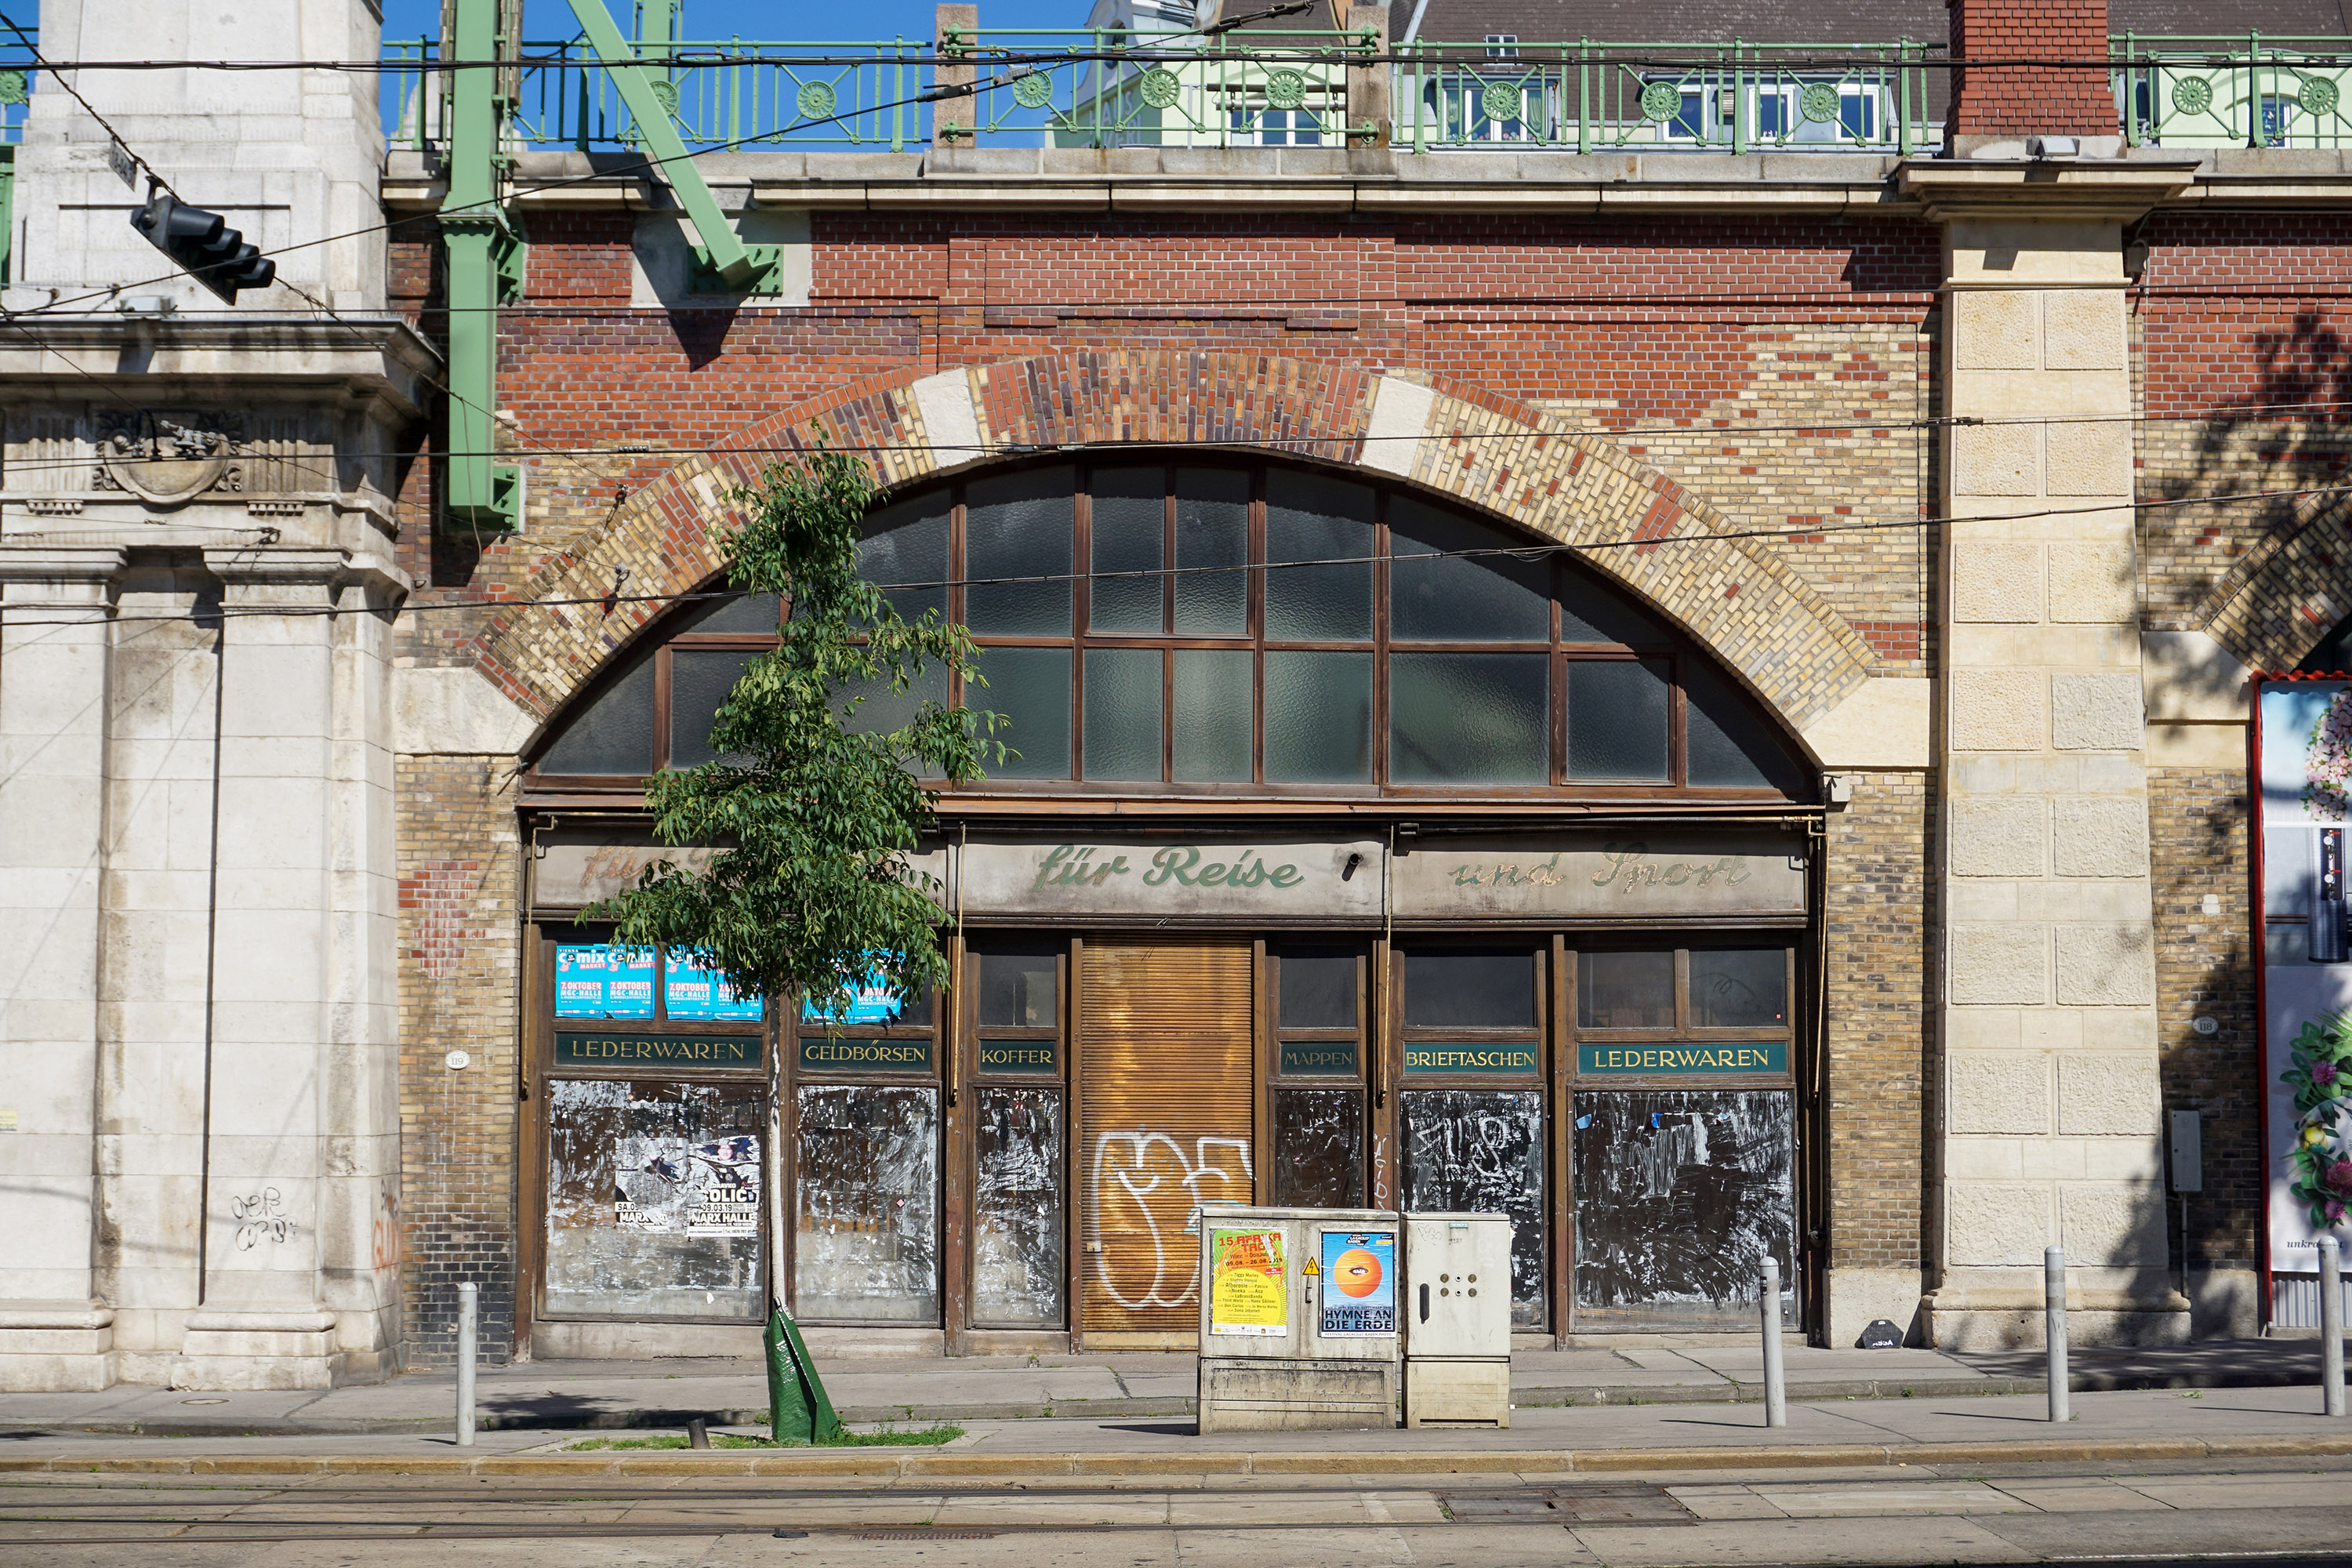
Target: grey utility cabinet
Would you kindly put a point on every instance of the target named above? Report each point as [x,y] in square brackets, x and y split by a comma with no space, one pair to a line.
[1298,1319]
[1457,1368]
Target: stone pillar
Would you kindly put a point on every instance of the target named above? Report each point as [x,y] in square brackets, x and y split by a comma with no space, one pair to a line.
[55,606]
[2050,1096]
[953,119]
[305,1122]
[1368,85]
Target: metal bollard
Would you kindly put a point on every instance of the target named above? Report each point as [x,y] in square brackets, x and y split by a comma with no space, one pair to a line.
[2054,1295]
[467,1295]
[2331,1326]
[1775,1387]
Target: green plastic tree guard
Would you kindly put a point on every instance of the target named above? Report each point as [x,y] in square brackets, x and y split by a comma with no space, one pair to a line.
[799,1410]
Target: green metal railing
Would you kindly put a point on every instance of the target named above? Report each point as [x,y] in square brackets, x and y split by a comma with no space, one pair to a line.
[2244,89]
[1114,88]
[1738,97]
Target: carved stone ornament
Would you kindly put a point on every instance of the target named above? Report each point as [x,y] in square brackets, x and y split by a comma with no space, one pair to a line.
[169,459]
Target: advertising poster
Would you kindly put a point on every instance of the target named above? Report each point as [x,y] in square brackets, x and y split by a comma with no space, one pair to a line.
[667,1186]
[1358,1282]
[873,1002]
[1246,1283]
[597,982]
[2304,801]
[690,991]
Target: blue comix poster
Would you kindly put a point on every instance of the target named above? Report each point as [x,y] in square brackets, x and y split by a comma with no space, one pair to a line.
[1358,1282]
[873,1002]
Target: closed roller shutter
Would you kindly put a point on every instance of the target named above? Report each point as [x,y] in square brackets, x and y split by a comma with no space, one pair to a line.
[1168,1090]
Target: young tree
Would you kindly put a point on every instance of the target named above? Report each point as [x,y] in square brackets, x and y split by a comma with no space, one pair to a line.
[811,890]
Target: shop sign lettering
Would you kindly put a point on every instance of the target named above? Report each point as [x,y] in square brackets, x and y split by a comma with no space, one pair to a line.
[1761,1056]
[839,1053]
[1420,1059]
[1020,1056]
[686,1052]
[1308,1057]
[1625,866]
[1078,866]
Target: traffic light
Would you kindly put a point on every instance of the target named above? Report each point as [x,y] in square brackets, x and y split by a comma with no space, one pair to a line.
[215,256]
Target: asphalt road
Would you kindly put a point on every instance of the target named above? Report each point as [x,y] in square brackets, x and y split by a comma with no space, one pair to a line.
[2110,1513]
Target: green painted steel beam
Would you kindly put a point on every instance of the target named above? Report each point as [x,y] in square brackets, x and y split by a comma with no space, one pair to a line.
[480,492]
[725,251]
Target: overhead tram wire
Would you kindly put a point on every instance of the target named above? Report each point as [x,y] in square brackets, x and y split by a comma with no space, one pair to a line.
[1525,553]
[930,95]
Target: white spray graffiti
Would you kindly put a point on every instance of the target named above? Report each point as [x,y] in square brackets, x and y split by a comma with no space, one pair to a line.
[1380,1173]
[1131,1166]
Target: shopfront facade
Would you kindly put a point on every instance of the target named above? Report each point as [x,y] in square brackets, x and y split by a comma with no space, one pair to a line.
[1358,852]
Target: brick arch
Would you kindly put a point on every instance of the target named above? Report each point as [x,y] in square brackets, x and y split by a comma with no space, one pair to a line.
[2287,593]
[1453,439]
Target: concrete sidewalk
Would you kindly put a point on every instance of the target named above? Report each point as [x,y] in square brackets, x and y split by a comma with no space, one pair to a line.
[571,1395]
[1973,1435]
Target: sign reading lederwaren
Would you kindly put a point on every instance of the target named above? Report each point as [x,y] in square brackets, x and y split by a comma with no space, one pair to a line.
[678,1053]
[1743,1055]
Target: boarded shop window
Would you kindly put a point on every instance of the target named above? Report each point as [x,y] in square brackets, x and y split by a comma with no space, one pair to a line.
[654,1200]
[1016,1233]
[1680,1196]
[1481,1151]
[1156,624]
[1319,1147]
[866,1240]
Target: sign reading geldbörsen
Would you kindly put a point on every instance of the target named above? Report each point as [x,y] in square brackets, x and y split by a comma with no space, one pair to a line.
[678,1053]
[1743,1055]
[864,1053]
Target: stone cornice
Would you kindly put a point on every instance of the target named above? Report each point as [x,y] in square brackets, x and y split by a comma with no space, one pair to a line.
[2038,190]
[188,357]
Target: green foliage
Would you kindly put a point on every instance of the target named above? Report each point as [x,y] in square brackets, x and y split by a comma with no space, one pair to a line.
[811,890]
[2319,1164]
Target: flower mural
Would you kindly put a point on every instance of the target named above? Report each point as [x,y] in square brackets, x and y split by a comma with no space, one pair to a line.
[2320,1159]
[2328,763]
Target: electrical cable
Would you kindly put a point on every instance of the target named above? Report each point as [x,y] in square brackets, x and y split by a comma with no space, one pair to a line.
[1523,552]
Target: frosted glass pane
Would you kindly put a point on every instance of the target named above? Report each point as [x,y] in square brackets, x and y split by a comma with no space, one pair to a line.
[699,680]
[1488,598]
[1211,531]
[1129,535]
[879,710]
[1123,713]
[1591,612]
[1464,989]
[615,734]
[1019,526]
[1468,718]
[1625,990]
[1726,744]
[1318,718]
[733,612]
[1309,518]
[1739,988]
[1031,688]
[1212,715]
[908,543]
[1617,720]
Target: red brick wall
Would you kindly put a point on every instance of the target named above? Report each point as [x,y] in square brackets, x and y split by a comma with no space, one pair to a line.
[2042,98]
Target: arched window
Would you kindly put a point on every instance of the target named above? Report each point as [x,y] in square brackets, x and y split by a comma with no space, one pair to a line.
[1245,628]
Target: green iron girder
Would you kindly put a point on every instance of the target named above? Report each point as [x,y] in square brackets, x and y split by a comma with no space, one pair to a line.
[480,492]
[722,250]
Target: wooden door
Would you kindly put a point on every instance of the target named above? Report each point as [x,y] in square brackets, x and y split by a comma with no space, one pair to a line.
[1168,1091]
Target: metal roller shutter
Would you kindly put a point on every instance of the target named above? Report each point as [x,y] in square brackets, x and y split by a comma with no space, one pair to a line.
[1168,1092]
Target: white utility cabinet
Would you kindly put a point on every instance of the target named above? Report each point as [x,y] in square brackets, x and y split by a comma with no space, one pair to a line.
[1302,1334]
[1457,1347]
